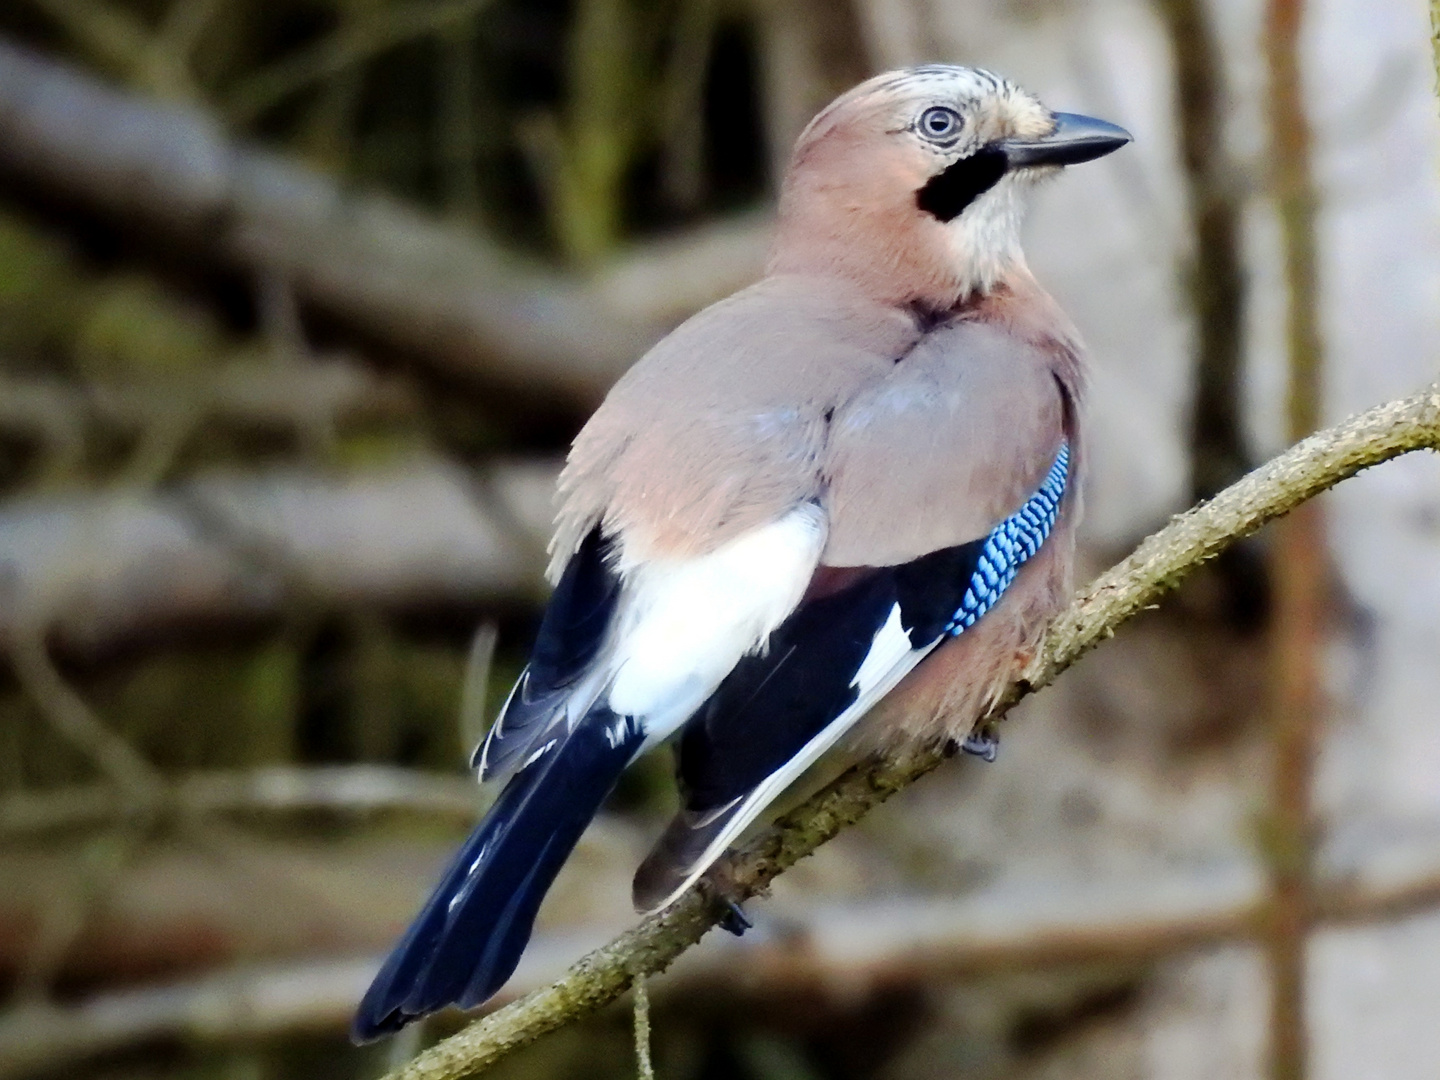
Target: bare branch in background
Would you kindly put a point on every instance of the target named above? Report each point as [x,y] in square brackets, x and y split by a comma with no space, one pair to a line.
[861,945]
[98,570]
[276,789]
[1160,562]
[446,296]
[663,281]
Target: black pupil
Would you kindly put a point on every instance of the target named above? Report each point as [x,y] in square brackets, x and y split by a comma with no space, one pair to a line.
[939,121]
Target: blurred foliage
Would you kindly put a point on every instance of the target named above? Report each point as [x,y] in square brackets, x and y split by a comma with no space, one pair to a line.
[562,129]
[550,122]
[559,127]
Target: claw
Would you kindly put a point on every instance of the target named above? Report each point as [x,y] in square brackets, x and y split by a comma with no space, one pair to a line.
[983,745]
[734,920]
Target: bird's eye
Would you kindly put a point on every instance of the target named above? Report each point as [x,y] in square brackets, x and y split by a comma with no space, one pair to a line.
[939,123]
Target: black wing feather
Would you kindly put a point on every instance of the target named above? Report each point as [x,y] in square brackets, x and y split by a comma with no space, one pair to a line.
[775,702]
[577,615]
[571,633]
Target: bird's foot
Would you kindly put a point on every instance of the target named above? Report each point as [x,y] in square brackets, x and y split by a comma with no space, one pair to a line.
[725,892]
[983,743]
[734,920]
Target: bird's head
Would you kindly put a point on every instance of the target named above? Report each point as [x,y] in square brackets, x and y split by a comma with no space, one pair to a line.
[910,183]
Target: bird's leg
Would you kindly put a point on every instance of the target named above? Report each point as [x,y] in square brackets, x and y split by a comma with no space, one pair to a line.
[726,894]
[983,742]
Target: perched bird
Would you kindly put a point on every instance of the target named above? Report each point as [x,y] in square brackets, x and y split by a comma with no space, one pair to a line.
[853,480]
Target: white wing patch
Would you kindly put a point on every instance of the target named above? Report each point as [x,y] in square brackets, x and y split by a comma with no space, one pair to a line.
[684,623]
[679,628]
[890,647]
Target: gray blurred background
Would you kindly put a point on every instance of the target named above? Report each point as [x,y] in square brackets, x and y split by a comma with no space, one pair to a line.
[300,305]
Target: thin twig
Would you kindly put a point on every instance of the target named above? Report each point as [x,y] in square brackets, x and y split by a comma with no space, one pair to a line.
[643,1066]
[351,45]
[278,789]
[1158,565]
[74,721]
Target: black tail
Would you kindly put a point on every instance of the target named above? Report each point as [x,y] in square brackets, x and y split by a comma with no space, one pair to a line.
[468,939]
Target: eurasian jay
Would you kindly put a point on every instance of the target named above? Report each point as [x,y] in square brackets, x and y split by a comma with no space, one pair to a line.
[854,480]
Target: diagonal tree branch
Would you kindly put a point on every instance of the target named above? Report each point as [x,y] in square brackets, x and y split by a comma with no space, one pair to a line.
[98,570]
[352,44]
[1157,565]
[451,299]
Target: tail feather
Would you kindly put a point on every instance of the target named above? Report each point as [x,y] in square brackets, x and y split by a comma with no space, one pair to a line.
[468,939]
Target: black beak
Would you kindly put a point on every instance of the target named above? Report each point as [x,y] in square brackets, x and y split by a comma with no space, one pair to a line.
[1075,139]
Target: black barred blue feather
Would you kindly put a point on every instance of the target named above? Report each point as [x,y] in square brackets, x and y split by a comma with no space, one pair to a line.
[1010,544]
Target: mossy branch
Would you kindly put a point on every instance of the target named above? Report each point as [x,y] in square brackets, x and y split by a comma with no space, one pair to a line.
[1157,565]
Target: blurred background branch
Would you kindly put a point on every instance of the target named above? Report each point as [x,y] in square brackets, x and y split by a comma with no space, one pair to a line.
[443,294]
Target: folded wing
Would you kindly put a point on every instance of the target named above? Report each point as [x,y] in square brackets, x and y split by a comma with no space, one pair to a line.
[842,650]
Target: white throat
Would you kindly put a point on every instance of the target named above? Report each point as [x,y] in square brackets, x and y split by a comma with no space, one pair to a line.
[984,239]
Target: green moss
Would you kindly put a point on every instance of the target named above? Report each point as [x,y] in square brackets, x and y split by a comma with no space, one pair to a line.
[133,328]
[40,292]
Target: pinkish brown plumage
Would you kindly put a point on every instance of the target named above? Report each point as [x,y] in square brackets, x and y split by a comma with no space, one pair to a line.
[849,489]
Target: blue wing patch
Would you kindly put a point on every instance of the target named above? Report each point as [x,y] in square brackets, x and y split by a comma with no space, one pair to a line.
[1010,544]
